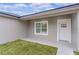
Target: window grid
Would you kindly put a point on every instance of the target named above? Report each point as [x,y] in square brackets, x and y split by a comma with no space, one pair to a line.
[42,28]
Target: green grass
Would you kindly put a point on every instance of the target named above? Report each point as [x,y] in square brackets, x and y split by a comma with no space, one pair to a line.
[76,52]
[21,47]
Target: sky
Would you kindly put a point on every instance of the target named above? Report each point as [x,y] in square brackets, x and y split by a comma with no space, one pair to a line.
[28,8]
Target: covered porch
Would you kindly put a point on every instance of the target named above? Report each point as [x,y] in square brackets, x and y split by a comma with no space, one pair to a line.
[51,39]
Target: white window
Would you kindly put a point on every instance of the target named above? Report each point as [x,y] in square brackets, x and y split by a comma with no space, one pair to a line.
[41,28]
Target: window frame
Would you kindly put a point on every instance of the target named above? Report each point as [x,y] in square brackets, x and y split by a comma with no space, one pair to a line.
[40,32]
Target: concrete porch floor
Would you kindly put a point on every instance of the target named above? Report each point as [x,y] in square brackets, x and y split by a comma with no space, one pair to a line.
[64,47]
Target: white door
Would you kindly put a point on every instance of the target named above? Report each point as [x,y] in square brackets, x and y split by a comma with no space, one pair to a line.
[64,29]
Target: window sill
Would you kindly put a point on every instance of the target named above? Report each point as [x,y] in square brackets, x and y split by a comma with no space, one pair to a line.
[41,34]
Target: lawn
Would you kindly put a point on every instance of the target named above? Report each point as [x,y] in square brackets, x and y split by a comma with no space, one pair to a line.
[21,47]
[76,52]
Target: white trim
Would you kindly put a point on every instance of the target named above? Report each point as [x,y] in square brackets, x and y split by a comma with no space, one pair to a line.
[35,28]
[58,30]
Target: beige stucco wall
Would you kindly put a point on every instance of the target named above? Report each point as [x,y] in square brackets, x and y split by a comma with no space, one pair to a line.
[11,29]
[74,31]
[51,30]
[77,30]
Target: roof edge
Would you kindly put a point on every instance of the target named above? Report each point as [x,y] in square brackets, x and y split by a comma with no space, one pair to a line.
[50,10]
[12,15]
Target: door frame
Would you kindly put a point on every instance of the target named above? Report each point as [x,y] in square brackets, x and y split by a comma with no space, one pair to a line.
[58,29]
